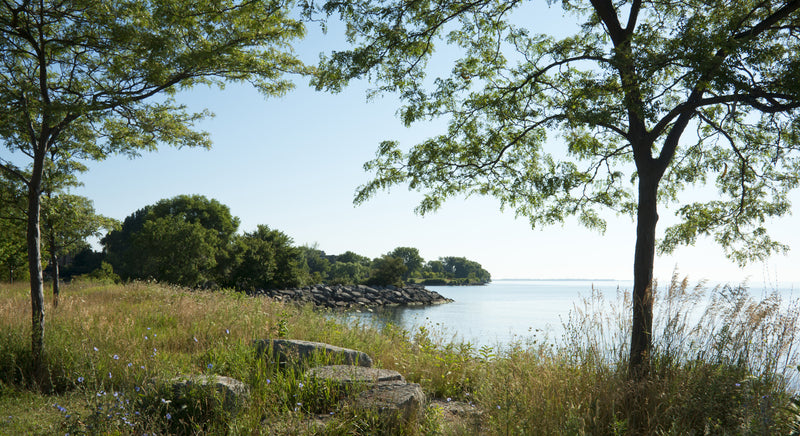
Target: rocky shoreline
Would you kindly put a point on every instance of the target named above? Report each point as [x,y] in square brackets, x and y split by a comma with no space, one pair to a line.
[357,296]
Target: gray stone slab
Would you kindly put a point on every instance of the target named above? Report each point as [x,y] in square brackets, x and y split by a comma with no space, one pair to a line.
[304,352]
[346,375]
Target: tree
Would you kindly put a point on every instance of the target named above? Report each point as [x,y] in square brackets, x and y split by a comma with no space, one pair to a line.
[348,273]
[67,221]
[387,270]
[317,263]
[351,257]
[463,268]
[78,79]
[411,259]
[266,259]
[173,250]
[182,240]
[667,95]
[12,217]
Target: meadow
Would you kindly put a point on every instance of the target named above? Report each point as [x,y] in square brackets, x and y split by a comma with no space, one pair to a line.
[731,369]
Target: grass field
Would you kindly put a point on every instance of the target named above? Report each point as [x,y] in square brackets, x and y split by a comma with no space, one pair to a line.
[731,372]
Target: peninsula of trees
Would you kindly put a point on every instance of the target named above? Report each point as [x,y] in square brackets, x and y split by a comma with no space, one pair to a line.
[192,241]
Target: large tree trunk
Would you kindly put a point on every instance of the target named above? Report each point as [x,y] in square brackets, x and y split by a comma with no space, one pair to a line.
[37,281]
[54,260]
[641,332]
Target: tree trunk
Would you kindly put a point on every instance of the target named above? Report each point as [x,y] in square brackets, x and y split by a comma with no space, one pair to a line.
[37,281]
[641,332]
[54,260]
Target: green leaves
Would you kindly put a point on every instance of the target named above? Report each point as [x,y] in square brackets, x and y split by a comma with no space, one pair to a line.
[182,240]
[80,77]
[555,128]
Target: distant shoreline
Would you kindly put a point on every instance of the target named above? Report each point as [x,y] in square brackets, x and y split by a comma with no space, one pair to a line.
[556,280]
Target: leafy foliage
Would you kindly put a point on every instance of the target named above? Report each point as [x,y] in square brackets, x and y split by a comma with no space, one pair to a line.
[265,259]
[729,69]
[77,81]
[666,95]
[411,259]
[387,270]
[183,240]
[13,252]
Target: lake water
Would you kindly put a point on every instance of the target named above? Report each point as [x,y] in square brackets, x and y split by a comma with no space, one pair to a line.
[510,310]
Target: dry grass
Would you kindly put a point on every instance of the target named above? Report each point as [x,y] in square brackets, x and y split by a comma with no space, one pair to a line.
[723,363]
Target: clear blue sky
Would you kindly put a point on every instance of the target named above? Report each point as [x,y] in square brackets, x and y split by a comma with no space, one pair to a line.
[293,163]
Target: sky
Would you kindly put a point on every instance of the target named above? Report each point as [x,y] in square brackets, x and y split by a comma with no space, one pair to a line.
[294,163]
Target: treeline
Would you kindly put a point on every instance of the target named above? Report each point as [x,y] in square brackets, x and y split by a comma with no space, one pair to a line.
[190,240]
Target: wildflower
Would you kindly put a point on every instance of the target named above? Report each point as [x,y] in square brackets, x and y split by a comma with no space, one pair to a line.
[227,332]
[148,328]
[498,407]
[109,375]
[115,357]
[146,338]
[130,364]
[448,399]
[169,416]
[137,388]
[737,384]
[210,365]
[80,379]
[141,367]
[269,381]
[300,385]
[95,349]
[195,338]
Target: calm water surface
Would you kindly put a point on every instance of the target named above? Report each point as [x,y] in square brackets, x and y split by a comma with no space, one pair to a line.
[497,313]
[508,310]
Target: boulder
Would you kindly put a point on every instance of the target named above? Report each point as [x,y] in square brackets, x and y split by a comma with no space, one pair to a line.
[303,353]
[348,296]
[234,393]
[393,401]
[345,375]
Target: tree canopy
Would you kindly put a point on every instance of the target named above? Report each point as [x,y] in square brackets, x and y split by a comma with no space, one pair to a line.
[13,248]
[266,259]
[67,222]
[183,240]
[648,99]
[78,81]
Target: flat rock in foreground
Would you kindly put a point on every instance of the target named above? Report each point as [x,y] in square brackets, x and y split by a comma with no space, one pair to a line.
[304,353]
[393,401]
[234,393]
[344,375]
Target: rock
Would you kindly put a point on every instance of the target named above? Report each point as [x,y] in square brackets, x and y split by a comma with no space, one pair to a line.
[345,375]
[459,417]
[234,392]
[305,352]
[357,295]
[393,401]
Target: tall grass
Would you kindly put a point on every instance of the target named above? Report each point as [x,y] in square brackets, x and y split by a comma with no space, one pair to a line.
[723,363]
